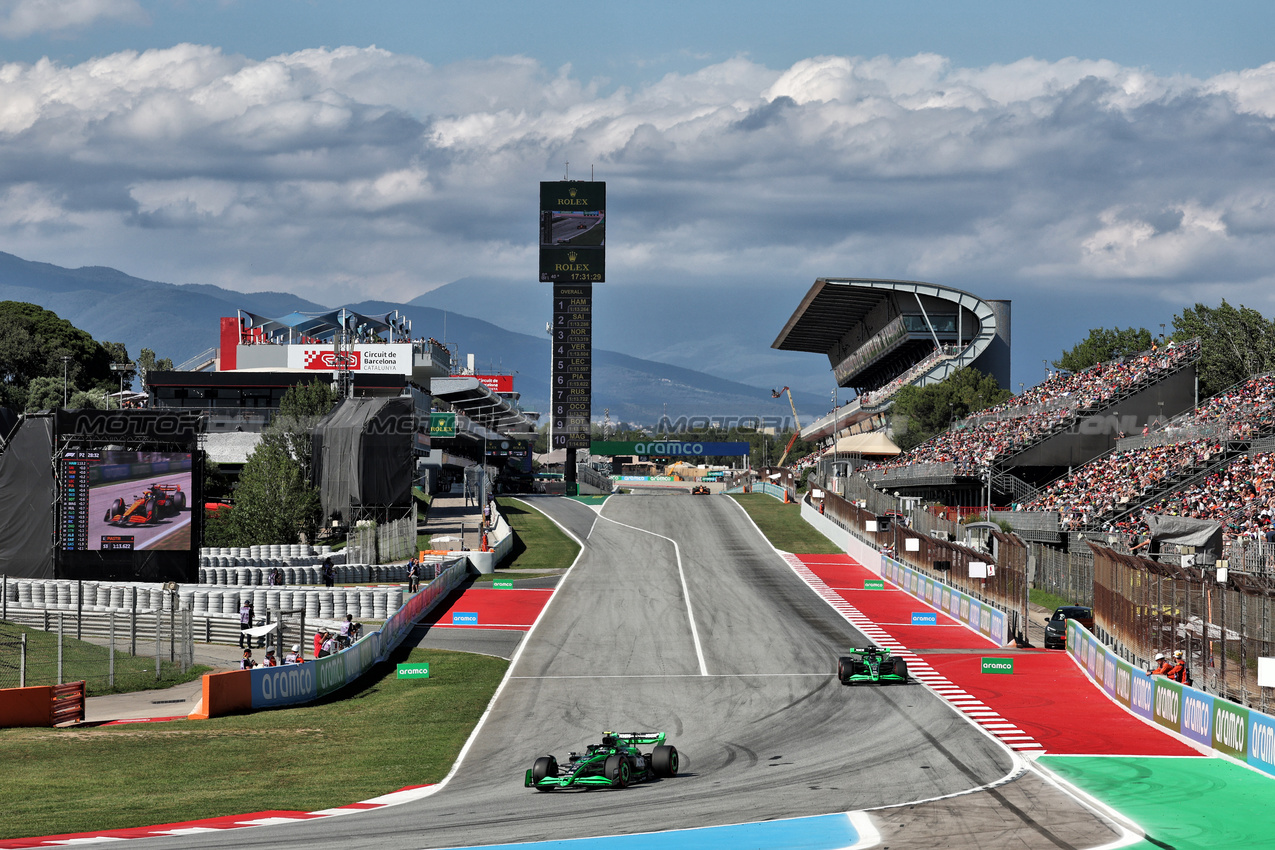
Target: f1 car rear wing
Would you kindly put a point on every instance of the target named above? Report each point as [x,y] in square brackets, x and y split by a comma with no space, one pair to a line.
[636,738]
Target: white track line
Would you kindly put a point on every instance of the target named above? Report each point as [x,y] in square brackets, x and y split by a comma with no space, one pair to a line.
[686,593]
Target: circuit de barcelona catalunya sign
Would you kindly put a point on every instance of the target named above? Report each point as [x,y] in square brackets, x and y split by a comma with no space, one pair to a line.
[668,448]
[391,358]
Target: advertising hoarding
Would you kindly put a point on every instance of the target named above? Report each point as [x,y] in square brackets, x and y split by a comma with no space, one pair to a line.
[573,232]
[391,358]
[668,448]
[495,383]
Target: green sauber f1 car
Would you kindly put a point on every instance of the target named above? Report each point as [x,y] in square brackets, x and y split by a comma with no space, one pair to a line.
[872,664]
[615,763]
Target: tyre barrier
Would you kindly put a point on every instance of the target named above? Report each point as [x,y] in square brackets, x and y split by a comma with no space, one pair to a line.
[258,575]
[364,603]
[292,550]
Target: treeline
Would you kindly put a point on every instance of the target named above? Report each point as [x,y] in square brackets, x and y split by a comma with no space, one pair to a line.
[45,359]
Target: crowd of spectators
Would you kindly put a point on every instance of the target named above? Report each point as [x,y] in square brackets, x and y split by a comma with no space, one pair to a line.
[1105,485]
[1000,431]
[877,397]
[1241,497]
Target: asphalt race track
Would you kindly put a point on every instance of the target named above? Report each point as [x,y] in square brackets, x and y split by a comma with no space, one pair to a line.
[679,617]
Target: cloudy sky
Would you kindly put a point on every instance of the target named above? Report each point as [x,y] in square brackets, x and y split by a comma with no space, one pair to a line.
[1097,165]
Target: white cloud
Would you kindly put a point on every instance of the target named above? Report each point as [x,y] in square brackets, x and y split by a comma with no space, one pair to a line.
[355,171]
[21,18]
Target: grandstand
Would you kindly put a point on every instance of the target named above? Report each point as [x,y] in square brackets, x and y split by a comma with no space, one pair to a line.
[236,387]
[882,335]
[1206,464]
[1061,423]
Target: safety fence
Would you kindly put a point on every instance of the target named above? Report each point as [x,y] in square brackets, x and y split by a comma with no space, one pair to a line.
[1221,619]
[1065,574]
[294,684]
[995,577]
[394,540]
[1243,733]
[110,651]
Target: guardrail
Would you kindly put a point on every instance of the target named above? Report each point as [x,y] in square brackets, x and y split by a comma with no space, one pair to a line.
[295,684]
[1226,728]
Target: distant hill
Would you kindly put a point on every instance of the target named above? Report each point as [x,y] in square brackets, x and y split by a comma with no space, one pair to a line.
[180,321]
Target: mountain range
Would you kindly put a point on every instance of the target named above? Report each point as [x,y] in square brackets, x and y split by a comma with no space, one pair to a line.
[181,321]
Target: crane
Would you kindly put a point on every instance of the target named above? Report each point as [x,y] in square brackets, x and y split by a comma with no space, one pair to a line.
[796,421]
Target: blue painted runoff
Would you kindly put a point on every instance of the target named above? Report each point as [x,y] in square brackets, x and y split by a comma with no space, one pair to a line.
[825,832]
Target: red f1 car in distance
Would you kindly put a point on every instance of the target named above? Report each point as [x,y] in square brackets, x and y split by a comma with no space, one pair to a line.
[157,502]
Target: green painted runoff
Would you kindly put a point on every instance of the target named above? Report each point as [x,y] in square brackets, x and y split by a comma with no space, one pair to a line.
[1184,803]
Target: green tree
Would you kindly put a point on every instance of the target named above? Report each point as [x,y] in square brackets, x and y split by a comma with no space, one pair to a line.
[220,530]
[87,399]
[44,393]
[292,428]
[218,485]
[925,411]
[1234,343]
[1104,344]
[274,502]
[33,342]
[147,362]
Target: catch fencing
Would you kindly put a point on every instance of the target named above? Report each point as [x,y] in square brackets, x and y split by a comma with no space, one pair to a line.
[112,651]
[382,543]
[1220,620]
[996,575]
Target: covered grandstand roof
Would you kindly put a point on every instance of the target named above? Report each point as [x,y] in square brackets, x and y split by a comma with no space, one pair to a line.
[872,443]
[828,309]
[876,332]
[473,398]
[325,325]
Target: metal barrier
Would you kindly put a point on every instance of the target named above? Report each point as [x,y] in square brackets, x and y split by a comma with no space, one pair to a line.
[948,562]
[1143,606]
[140,647]
[68,703]
[384,542]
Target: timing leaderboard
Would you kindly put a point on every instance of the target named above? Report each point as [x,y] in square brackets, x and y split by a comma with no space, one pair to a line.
[75,498]
[74,524]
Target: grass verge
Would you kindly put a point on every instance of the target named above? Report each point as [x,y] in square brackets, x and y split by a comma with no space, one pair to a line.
[513,575]
[379,735]
[538,543]
[783,526]
[85,661]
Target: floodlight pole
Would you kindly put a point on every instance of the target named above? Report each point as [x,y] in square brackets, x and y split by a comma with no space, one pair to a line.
[121,368]
[66,360]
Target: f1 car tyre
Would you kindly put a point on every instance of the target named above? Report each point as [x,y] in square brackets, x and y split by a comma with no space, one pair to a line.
[117,508]
[901,669]
[179,500]
[617,770]
[845,666]
[543,767]
[149,510]
[664,761]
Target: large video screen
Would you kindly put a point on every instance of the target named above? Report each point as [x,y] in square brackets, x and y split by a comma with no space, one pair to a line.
[126,501]
[573,231]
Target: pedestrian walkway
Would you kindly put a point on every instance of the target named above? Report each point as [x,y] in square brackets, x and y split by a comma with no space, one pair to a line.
[168,703]
[450,517]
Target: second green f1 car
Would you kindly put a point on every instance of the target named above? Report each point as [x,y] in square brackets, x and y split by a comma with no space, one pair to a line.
[615,763]
[873,664]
